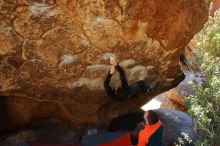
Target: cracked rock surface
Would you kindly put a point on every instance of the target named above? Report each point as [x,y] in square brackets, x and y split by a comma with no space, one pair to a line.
[54,54]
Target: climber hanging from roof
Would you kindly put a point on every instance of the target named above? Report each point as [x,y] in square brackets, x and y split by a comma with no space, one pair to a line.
[124,92]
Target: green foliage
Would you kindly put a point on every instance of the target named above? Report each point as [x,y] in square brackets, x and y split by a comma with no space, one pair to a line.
[209,37]
[204,105]
[183,140]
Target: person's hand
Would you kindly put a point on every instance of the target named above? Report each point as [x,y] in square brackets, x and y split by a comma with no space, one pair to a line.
[112,70]
[113,61]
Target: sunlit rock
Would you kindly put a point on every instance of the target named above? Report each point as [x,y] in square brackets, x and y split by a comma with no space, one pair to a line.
[54,54]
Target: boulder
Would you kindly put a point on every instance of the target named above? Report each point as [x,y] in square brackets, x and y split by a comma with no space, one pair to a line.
[166,102]
[54,54]
[177,125]
[185,88]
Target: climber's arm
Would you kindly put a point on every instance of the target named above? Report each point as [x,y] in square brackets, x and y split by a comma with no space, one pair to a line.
[124,82]
[108,88]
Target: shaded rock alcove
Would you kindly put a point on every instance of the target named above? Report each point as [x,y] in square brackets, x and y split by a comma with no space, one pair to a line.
[57,132]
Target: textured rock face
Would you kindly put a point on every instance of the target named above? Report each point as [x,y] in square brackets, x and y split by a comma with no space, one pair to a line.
[168,103]
[47,131]
[177,125]
[54,54]
[184,89]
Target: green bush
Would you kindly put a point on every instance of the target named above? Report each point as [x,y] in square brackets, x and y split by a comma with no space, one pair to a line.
[208,39]
[204,105]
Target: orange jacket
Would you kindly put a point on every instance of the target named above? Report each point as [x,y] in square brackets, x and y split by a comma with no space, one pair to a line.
[145,134]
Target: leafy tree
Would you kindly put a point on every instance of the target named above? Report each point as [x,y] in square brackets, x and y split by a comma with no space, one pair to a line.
[208,39]
[204,105]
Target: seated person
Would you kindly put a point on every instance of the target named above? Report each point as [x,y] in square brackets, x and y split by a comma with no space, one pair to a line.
[152,133]
[124,92]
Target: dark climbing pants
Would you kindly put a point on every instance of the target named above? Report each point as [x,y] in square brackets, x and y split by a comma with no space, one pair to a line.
[137,88]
